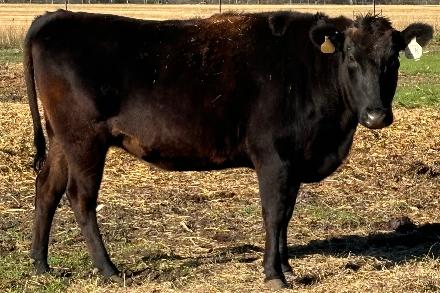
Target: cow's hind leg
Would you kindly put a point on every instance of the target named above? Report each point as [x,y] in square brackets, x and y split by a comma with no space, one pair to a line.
[86,164]
[50,186]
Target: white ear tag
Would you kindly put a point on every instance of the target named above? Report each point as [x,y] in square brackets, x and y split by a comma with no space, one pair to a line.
[413,50]
[327,47]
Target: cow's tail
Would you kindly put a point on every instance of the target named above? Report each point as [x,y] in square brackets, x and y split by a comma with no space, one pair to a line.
[39,140]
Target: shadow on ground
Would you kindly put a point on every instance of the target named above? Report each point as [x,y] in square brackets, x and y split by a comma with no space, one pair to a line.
[183,265]
[407,242]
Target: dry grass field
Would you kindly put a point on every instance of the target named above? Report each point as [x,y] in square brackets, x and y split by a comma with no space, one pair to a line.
[20,16]
[373,226]
[24,13]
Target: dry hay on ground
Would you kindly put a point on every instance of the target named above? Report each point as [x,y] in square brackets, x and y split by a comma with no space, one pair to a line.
[11,82]
[202,231]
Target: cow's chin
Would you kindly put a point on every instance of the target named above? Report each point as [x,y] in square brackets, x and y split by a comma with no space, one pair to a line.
[376,119]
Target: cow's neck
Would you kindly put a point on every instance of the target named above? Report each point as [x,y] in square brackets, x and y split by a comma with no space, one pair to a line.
[326,123]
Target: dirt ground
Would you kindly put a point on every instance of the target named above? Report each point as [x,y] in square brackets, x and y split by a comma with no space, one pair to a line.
[373,226]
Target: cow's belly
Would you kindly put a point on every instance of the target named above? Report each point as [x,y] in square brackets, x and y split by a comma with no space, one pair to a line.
[190,163]
[174,158]
[322,159]
[181,150]
[318,169]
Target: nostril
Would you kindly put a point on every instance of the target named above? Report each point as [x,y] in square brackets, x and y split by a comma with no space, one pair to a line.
[376,118]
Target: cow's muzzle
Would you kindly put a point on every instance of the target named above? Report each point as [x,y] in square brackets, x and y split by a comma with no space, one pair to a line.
[377,118]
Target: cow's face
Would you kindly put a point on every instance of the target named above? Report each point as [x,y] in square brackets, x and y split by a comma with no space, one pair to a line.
[369,62]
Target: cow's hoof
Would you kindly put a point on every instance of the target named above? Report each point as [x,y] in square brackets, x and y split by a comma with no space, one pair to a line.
[61,272]
[289,276]
[276,284]
[41,267]
[116,279]
[121,279]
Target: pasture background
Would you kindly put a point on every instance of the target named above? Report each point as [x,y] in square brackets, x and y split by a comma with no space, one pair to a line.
[23,14]
[202,231]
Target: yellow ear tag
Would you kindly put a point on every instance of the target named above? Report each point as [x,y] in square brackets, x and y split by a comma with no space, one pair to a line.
[327,47]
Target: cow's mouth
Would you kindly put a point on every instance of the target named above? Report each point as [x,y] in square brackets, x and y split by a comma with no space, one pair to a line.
[376,119]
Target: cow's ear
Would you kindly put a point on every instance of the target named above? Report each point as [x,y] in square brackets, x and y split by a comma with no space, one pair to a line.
[421,31]
[279,22]
[326,38]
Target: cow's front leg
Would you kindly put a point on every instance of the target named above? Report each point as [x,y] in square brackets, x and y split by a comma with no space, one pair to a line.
[278,191]
[283,249]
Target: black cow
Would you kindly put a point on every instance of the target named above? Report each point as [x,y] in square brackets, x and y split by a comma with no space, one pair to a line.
[232,90]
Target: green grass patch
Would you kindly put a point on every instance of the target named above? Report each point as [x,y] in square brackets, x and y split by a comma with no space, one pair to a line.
[11,55]
[418,95]
[419,81]
[13,268]
[72,260]
[428,64]
[250,210]
[16,275]
[52,284]
[330,216]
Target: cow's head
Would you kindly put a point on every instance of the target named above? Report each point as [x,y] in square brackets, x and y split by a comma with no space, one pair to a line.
[368,53]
